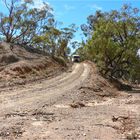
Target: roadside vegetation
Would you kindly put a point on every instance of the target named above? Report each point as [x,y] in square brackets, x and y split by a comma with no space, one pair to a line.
[33,45]
[25,25]
[113,41]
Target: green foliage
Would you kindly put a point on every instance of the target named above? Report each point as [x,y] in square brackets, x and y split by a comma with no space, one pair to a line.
[113,42]
[60,60]
[55,41]
[22,23]
[28,26]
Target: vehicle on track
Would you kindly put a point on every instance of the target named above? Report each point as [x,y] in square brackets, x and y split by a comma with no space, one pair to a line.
[75,58]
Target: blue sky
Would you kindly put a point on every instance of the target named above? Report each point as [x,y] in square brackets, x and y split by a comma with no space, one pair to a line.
[76,11]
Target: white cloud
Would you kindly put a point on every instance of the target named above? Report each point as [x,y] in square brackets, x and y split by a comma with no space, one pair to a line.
[95,7]
[69,7]
[37,3]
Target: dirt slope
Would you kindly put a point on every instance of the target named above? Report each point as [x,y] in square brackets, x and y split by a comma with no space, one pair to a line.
[19,65]
[76,105]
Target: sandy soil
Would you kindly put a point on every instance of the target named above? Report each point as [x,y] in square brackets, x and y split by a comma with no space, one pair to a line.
[23,65]
[76,105]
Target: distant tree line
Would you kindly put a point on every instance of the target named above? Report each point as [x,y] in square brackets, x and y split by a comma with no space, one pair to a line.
[26,25]
[113,41]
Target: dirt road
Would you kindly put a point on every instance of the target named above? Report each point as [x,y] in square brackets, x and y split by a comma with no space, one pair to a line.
[47,89]
[67,107]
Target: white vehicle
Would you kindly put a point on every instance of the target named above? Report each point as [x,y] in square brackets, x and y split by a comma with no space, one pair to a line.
[75,58]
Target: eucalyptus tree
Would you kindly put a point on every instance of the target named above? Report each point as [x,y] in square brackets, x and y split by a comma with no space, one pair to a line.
[22,22]
[113,41]
[67,35]
[55,41]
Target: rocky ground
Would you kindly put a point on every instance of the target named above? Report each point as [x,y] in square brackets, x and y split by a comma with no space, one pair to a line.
[76,105]
[42,99]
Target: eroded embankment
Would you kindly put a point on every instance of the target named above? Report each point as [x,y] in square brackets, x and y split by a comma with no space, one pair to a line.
[20,66]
